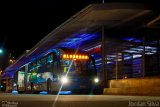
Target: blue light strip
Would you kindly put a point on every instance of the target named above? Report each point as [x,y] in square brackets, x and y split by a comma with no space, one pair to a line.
[65,92]
[14,92]
[43,92]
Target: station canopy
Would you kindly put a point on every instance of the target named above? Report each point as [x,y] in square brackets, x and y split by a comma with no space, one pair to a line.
[84,30]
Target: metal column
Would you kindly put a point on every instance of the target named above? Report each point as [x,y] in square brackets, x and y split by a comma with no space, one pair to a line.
[25,77]
[158,56]
[123,64]
[132,66]
[116,64]
[143,58]
[103,57]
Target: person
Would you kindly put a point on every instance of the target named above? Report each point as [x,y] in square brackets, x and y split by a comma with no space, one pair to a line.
[49,85]
[31,87]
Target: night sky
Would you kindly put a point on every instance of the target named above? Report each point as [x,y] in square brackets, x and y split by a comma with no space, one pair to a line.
[24,23]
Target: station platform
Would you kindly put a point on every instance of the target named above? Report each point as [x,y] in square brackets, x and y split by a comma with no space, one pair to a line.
[148,86]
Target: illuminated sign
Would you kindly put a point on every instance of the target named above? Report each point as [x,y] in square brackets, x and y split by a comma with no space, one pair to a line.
[73,56]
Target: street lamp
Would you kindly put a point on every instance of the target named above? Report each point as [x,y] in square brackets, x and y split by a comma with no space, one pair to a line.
[0,80]
[1,51]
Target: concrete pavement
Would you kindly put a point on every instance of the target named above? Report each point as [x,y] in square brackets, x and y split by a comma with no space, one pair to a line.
[35,100]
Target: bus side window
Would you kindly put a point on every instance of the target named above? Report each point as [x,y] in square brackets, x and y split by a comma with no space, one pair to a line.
[55,77]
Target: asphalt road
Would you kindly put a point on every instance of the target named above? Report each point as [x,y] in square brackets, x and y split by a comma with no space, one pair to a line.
[33,100]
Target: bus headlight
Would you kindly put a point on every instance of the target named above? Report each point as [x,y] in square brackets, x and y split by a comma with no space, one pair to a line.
[96,80]
[64,80]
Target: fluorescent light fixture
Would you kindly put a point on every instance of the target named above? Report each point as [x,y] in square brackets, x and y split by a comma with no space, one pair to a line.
[130,51]
[149,53]
[137,56]
[98,59]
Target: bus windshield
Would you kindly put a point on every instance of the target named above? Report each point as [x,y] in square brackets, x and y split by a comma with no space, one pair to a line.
[78,66]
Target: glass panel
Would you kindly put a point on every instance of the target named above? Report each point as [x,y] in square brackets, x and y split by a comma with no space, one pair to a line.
[78,66]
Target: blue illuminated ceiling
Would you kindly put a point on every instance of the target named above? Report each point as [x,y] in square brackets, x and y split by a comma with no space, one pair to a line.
[77,39]
[74,42]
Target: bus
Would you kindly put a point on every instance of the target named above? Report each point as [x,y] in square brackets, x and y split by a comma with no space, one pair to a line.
[62,70]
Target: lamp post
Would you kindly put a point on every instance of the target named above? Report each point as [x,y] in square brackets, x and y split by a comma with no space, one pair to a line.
[1,52]
[0,79]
